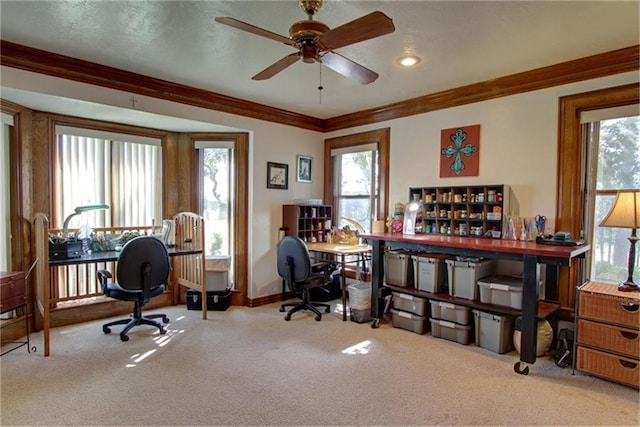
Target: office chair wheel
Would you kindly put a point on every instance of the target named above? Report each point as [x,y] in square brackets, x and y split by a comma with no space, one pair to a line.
[165,319]
[327,310]
[106,330]
[124,337]
[281,309]
[163,330]
[318,317]
[287,317]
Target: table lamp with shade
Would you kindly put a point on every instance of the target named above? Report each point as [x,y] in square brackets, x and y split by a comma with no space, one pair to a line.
[625,213]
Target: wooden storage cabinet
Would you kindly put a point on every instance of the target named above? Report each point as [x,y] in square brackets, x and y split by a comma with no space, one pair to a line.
[12,291]
[608,333]
[309,222]
[12,296]
[463,210]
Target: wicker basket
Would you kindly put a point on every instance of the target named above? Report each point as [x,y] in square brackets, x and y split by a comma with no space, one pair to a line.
[619,309]
[620,340]
[609,366]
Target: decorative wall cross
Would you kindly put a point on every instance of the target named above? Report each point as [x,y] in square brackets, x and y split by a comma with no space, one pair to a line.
[460,149]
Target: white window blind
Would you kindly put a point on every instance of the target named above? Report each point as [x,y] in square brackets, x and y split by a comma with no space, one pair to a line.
[122,171]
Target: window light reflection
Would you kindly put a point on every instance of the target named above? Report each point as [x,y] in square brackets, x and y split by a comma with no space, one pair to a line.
[360,348]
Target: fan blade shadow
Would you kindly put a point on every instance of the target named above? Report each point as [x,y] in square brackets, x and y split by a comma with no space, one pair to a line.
[348,68]
[278,66]
[373,25]
[232,22]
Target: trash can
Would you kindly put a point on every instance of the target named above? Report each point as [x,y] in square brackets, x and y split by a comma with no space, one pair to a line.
[360,302]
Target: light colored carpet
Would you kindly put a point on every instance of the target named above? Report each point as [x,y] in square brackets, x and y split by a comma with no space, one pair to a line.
[247,366]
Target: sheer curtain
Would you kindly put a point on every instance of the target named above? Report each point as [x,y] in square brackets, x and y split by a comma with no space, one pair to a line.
[122,171]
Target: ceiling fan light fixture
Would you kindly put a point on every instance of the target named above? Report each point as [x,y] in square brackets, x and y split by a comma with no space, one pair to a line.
[408,60]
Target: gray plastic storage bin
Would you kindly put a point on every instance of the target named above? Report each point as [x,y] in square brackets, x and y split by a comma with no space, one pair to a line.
[452,331]
[494,332]
[454,313]
[396,268]
[410,303]
[409,321]
[501,290]
[464,276]
[430,272]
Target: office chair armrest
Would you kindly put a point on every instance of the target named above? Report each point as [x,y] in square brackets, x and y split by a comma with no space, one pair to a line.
[103,277]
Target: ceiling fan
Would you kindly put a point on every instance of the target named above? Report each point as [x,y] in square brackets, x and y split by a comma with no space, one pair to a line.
[315,42]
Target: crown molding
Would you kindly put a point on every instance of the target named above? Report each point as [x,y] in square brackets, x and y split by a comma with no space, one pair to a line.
[591,67]
[65,67]
[43,62]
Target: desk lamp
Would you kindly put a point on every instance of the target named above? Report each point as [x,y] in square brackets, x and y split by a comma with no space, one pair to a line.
[410,215]
[79,210]
[625,213]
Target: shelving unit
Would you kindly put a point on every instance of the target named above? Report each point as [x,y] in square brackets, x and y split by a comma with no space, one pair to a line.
[462,210]
[608,326]
[309,222]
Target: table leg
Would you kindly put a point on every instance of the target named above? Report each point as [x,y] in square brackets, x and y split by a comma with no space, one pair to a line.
[377,274]
[529,332]
[343,273]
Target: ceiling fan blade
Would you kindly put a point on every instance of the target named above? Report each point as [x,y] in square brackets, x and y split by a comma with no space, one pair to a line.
[232,22]
[348,68]
[373,25]
[275,68]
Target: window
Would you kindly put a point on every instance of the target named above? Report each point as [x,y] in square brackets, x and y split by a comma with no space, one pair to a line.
[356,189]
[357,177]
[121,171]
[216,165]
[614,164]
[5,214]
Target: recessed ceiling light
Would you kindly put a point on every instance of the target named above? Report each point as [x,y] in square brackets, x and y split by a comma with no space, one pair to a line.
[408,60]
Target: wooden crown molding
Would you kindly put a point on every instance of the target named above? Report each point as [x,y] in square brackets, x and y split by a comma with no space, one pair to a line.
[52,64]
[590,67]
[43,62]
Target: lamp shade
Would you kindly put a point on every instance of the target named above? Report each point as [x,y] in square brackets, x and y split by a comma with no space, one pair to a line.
[625,212]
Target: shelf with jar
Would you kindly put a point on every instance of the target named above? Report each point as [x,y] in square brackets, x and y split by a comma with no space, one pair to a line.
[475,210]
[312,223]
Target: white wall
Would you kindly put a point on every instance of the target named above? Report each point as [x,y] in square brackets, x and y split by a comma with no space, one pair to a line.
[518,145]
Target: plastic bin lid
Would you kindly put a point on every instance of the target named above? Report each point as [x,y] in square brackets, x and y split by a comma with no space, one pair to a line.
[510,281]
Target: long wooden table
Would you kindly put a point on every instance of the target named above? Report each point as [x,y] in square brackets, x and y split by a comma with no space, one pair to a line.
[530,253]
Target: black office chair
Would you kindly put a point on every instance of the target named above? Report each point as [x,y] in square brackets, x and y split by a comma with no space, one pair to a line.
[294,266]
[142,270]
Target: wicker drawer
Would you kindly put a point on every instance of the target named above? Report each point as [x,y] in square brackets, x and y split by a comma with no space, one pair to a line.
[609,338]
[610,366]
[600,301]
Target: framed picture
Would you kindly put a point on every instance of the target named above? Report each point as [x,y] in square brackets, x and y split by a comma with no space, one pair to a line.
[277,175]
[304,168]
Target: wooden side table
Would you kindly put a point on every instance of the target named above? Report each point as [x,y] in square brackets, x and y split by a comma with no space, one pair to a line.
[13,296]
[608,333]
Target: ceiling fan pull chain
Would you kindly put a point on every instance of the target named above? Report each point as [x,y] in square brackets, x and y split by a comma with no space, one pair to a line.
[320,84]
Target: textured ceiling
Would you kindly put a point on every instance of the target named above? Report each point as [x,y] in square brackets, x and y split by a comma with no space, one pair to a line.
[460,42]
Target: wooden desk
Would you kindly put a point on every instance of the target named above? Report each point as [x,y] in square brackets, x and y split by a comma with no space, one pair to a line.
[530,253]
[341,252]
[188,264]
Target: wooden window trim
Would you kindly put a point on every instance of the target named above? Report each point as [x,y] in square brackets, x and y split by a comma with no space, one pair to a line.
[571,168]
[382,138]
